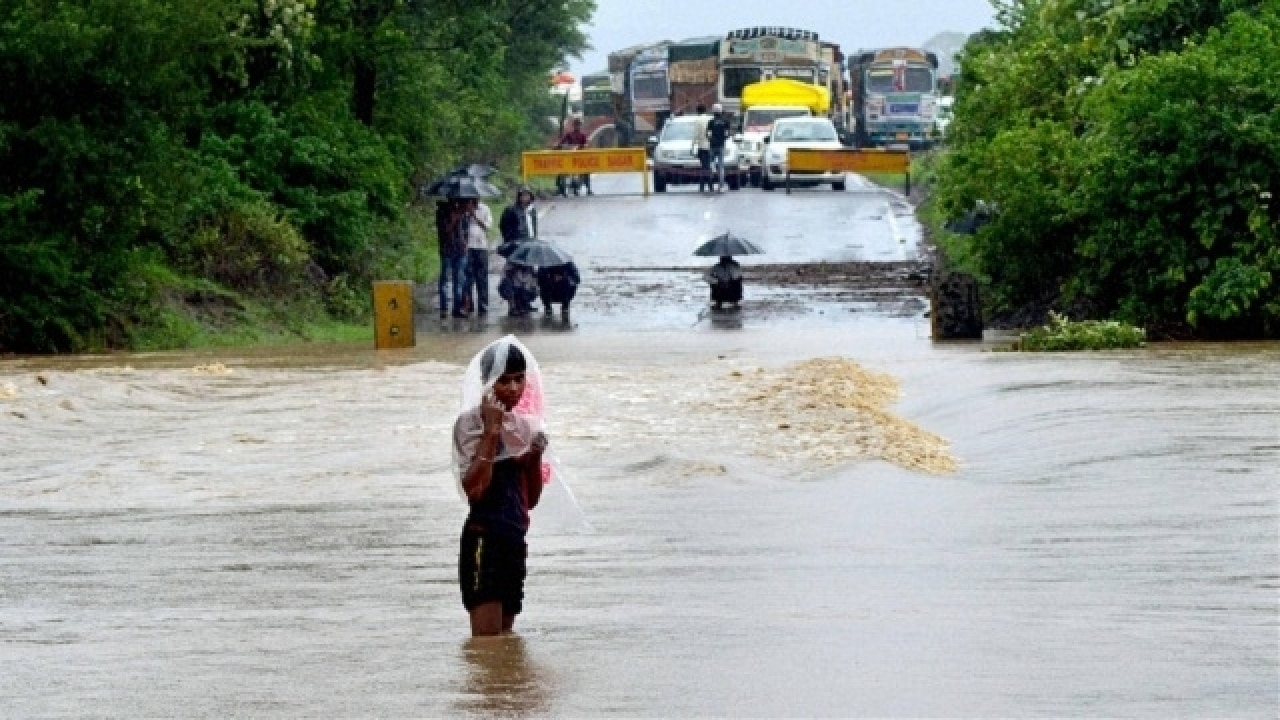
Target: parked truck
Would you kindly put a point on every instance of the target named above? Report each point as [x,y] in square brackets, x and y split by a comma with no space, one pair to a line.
[895,96]
[832,76]
[694,69]
[621,79]
[751,55]
[650,90]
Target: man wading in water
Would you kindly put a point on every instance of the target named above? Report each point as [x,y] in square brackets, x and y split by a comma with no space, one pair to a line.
[498,445]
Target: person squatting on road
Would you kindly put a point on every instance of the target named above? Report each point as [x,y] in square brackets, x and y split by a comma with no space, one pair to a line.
[498,446]
[717,135]
[452,228]
[519,287]
[725,279]
[479,220]
[558,284]
[702,148]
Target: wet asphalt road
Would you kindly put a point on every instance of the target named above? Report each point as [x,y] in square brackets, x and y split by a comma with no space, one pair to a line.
[635,254]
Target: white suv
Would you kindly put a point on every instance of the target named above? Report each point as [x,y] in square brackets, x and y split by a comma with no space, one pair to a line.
[815,133]
[675,157]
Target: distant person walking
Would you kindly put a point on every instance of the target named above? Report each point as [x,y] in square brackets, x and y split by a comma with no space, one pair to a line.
[480,219]
[717,134]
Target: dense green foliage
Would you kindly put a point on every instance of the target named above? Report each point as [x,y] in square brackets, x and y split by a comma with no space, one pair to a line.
[1132,148]
[1061,334]
[231,155]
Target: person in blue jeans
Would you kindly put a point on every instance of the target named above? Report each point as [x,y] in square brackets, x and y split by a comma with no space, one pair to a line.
[453,230]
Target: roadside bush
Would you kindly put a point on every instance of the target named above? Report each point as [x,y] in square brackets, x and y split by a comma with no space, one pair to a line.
[1132,150]
[1064,335]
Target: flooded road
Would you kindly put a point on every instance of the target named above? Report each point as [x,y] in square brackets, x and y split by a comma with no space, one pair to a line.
[273,532]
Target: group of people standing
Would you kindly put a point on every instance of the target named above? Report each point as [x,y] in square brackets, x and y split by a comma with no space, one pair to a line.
[464,226]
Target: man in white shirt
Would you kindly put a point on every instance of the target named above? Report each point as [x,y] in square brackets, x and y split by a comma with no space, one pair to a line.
[478,254]
[702,148]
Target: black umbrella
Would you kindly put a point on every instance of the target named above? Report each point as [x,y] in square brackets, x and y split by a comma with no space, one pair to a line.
[505,249]
[462,186]
[539,253]
[728,244]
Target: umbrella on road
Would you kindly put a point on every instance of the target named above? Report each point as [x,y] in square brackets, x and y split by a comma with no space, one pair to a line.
[462,186]
[539,253]
[728,244]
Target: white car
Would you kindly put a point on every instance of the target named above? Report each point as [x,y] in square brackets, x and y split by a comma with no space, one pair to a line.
[675,158]
[810,133]
[757,122]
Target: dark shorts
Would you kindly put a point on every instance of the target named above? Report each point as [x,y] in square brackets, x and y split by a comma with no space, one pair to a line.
[491,568]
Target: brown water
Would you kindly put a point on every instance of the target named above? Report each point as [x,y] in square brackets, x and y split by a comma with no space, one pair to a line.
[280,539]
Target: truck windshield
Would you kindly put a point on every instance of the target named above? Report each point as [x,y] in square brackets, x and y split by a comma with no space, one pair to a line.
[735,78]
[887,79]
[804,132]
[761,119]
[649,86]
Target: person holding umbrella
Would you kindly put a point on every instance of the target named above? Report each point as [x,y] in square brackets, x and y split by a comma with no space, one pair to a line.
[725,277]
[453,258]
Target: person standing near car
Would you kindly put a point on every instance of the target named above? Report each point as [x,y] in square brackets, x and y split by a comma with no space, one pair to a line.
[717,134]
[702,148]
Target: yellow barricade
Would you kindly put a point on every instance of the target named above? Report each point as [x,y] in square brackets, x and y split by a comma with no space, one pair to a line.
[802,160]
[581,162]
[393,315]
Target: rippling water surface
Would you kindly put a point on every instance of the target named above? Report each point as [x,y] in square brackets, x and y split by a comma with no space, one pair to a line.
[280,540]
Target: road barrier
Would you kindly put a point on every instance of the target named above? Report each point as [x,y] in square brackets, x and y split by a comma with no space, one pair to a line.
[585,162]
[393,315]
[801,160]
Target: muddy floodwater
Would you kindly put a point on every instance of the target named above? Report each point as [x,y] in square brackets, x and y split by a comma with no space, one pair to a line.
[947,531]
[273,534]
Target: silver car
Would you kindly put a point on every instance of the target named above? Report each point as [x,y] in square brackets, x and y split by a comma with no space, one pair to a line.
[675,157]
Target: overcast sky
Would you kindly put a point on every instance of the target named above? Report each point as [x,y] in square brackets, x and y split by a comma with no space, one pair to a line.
[851,23]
